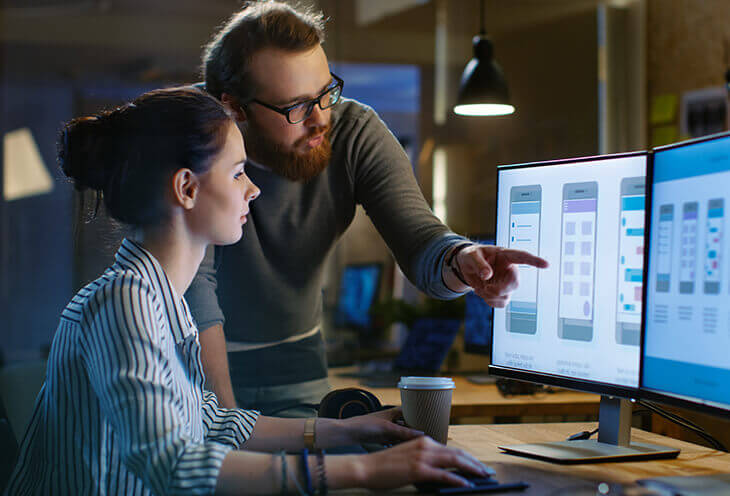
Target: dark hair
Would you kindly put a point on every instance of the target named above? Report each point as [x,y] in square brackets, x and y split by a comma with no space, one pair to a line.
[257,26]
[128,154]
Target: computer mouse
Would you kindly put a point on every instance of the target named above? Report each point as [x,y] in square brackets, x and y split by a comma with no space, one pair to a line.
[476,480]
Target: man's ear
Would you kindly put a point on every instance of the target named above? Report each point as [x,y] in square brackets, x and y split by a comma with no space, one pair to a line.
[231,104]
[185,188]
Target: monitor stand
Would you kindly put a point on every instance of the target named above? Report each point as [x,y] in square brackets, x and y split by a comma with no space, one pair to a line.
[613,444]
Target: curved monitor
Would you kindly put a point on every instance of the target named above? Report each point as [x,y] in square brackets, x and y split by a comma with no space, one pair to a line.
[577,323]
[687,316]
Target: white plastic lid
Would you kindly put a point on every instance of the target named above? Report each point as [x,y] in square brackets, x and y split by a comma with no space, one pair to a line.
[426,383]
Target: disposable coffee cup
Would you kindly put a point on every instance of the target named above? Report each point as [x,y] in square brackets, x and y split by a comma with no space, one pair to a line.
[426,404]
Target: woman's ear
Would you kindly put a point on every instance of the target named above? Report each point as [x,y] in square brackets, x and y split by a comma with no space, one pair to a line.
[185,187]
[231,104]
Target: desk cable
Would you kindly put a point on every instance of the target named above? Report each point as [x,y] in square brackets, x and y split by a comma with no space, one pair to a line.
[686,423]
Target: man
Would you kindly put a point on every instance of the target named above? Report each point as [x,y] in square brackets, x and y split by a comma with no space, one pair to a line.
[316,155]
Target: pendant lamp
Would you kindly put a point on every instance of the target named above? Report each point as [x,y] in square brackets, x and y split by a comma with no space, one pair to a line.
[483,90]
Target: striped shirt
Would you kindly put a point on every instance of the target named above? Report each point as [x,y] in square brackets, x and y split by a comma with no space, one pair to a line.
[123,409]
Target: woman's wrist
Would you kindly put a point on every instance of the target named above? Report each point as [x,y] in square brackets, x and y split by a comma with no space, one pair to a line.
[333,432]
[346,471]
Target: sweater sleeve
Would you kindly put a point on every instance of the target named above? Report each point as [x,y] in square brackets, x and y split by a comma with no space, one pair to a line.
[386,187]
[127,369]
[201,295]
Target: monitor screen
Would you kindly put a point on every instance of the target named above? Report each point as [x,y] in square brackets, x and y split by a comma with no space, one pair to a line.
[687,320]
[358,290]
[580,318]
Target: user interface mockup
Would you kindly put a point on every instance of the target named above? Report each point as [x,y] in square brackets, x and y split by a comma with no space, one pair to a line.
[687,334]
[581,317]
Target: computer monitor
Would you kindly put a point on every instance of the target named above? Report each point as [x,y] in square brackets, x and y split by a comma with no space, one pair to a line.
[478,317]
[686,325]
[359,287]
[576,324]
[687,317]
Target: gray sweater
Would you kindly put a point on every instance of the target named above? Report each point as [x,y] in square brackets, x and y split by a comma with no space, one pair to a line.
[269,284]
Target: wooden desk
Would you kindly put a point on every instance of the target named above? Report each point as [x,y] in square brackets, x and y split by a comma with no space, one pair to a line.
[484,400]
[482,442]
[545,477]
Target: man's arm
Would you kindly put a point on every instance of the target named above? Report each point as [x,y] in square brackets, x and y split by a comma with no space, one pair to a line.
[385,185]
[203,301]
[215,364]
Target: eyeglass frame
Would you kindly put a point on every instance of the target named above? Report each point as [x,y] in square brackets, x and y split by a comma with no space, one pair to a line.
[338,82]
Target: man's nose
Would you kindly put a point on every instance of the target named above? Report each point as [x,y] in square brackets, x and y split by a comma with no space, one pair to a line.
[318,117]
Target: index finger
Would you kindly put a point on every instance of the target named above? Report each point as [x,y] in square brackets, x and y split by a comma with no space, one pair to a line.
[523,257]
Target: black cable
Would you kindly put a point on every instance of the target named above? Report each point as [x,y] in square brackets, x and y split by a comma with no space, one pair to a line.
[677,416]
[582,435]
[687,424]
[674,417]
[482,29]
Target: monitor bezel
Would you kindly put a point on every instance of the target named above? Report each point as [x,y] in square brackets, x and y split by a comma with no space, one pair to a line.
[648,393]
[602,388]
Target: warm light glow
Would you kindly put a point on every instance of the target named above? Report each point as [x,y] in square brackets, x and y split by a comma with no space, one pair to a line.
[25,174]
[484,109]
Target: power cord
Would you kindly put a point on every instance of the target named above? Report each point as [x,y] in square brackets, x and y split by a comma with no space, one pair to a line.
[687,424]
[578,436]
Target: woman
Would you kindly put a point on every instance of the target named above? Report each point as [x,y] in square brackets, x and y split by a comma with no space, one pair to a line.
[123,409]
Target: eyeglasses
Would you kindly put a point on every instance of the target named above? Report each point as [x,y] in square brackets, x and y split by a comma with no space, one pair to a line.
[299,111]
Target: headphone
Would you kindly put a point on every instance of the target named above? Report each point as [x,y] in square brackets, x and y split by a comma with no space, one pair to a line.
[348,402]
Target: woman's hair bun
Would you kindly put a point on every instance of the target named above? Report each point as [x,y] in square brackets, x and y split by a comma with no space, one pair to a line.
[84,150]
[130,154]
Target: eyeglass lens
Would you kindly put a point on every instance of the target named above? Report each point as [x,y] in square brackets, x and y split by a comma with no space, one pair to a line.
[328,99]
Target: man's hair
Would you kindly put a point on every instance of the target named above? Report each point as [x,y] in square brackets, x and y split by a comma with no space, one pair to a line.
[259,25]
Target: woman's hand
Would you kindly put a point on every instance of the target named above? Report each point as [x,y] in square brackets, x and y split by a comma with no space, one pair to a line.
[379,427]
[418,460]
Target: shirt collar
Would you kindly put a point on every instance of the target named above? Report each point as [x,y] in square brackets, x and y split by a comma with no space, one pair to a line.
[132,256]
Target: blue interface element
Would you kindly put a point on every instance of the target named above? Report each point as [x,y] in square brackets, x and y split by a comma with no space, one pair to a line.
[687,325]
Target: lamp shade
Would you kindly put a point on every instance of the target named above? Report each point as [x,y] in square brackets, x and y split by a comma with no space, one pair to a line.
[483,89]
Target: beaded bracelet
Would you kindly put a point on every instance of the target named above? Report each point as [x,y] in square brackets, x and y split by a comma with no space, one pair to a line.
[284,474]
[307,475]
[321,473]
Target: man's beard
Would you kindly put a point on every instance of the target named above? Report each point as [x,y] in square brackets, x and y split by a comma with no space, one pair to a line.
[289,163]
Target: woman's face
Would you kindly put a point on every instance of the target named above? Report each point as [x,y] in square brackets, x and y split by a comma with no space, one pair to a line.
[225,192]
